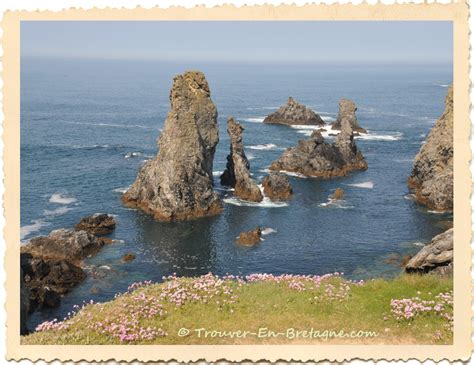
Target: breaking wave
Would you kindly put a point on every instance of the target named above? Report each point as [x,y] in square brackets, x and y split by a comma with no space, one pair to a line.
[58,198]
[363,185]
[264,147]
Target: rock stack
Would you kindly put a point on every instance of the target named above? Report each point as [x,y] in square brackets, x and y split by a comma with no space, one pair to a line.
[294,113]
[432,174]
[177,184]
[347,110]
[237,172]
[317,158]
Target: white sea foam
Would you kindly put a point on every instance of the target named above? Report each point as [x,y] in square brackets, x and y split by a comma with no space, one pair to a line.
[336,203]
[268,230]
[254,120]
[418,244]
[443,85]
[380,137]
[409,196]
[328,118]
[57,211]
[121,190]
[58,198]
[133,154]
[106,267]
[250,157]
[435,212]
[112,125]
[217,173]
[264,147]
[363,185]
[294,174]
[30,228]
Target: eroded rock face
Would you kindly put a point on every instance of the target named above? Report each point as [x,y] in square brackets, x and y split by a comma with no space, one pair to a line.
[432,174]
[237,172]
[294,113]
[177,184]
[250,237]
[96,224]
[436,257]
[63,244]
[347,110]
[317,158]
[277,186]
[48,279]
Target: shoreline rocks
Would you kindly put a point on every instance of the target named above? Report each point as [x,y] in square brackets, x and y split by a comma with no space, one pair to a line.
[250,238]
[177,184]
[277,186]
[97,224]
[314,157]
[436,257]
[347,110]
[294,113]
[237,172]
[432,175]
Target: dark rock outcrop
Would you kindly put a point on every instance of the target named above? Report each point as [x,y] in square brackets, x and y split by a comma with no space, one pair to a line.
[96,224]
[314,157]
[294,113]
[48,279]
[63,244]
[250,237]
[347,110]
[237,173]
[277,186]
[436,257]
[178,184]
[432,174]
[24,304]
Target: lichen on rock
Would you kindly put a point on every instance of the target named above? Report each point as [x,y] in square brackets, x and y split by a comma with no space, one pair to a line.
[178,184]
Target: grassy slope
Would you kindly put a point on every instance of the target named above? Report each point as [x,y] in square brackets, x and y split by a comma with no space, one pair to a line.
[277,307]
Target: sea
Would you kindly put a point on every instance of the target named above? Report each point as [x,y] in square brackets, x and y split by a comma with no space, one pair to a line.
[88,125]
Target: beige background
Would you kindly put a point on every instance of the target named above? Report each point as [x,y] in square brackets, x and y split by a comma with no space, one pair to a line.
[461,348]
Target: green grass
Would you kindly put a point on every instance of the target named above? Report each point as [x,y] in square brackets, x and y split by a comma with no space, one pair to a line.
[276,307]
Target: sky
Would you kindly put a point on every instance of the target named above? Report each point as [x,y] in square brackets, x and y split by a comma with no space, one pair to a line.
[260,42]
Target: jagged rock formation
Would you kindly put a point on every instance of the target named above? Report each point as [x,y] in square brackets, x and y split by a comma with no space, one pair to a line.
[347,110]
[314,157]
[63,244]
[436,257]
[237,173]
[48,279]
[294,113]
[177,184]
[432,175]
[96,224]
[277,186]
[250,237]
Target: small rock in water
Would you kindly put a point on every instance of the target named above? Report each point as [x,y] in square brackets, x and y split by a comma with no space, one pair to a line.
[338,194]
[250,237]
[128,257]
[277,186]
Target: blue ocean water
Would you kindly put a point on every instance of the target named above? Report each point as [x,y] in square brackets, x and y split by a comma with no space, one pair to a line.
[88,125]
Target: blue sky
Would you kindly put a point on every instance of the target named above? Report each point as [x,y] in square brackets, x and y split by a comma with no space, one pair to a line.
[268,42]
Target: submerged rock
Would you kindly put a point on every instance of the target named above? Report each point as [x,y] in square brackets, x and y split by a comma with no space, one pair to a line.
[96,224]
[317,158]
[177,184]
[294,113]
[237,172]
[347,110]
[250,237]
[277,186]
[436,257]
[338,194]
[128,257]
[432,174]
[63,244]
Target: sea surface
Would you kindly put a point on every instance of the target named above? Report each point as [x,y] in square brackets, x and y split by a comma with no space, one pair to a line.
[88,125]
